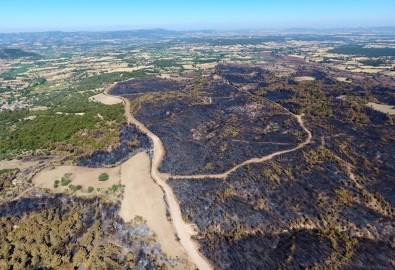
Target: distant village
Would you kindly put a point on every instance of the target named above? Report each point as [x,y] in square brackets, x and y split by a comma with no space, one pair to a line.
[13,106]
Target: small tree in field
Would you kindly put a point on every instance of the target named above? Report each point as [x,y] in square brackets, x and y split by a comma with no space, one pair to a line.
[104,177]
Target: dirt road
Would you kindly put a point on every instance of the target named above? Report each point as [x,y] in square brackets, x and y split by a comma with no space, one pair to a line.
[183,230]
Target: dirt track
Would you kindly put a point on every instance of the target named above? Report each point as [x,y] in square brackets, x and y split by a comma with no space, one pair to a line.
[183,230]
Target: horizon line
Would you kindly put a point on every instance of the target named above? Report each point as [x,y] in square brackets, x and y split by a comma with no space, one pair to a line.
[131,29]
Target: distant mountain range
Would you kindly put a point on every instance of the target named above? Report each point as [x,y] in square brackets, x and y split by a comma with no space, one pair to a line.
[112,34]
[161,31]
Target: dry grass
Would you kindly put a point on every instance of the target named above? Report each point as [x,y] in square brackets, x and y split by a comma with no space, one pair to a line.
[304,78]
[390,109]
[86,177]
[343,79]
[107,100]
[142,196]
[12,164]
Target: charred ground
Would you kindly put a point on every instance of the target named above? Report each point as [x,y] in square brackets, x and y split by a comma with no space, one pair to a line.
[329,205]
[131,141]
[211,126]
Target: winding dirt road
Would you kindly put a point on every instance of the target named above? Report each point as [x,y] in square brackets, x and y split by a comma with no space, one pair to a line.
[184,230]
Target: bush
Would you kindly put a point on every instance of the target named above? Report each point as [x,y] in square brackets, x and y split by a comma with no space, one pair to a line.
[75,188]
[90,189]
[104,177]
[65,181]
[114,188]
[56,183]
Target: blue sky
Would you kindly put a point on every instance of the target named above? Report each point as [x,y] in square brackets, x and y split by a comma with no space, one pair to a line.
[71,15]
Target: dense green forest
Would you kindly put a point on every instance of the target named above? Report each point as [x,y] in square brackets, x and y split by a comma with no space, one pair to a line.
[164,63]
[68,123]
[60,128]
[360,50]
[17,53]
[373,62]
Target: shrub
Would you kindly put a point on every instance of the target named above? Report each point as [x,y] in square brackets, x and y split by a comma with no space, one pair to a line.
[65,181]
[104,177]
[56,183]
[75,188]
[90,189]
[116,188]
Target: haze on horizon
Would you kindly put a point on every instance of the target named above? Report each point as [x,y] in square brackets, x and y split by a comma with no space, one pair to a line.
[63,15]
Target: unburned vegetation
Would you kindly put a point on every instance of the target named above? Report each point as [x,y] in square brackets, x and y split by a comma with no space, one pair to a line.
[58,231]
[60,132]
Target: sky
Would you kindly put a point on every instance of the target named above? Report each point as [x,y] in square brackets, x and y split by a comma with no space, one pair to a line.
[100,15]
